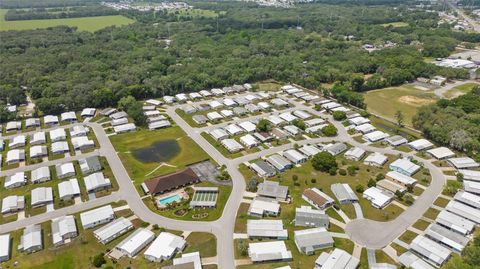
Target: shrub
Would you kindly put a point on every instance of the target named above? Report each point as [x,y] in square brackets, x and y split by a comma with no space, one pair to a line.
[313,180]
[379,176]
[372,183]
[324,161]
[339,115]
[342,172]
[98,260]
[329,130]
[360,188]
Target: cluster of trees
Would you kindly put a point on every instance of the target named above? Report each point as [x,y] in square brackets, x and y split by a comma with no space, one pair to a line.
[9,4]
[56,13]
[470,258]
[134,109]
[325,162]
[454,123]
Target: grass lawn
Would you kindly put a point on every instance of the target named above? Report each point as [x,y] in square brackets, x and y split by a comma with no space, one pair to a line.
[382,257]
[363,259]
[241,221]
[441,202]
[460,90]
[205,243]
[90,24]
[400,250]
[405,98]
[431,213]
[408,236]
[139,171]
[421,224]
[267,86]
[395,24]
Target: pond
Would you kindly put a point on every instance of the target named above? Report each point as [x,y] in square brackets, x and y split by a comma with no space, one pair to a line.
[161,151]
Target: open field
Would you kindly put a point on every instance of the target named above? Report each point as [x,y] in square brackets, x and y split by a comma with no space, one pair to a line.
[460,90]
[196,13]
[90,24]
[189,152]
[405,98]
[395,24]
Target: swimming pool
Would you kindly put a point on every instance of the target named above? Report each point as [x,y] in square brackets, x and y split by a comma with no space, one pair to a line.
[169,199]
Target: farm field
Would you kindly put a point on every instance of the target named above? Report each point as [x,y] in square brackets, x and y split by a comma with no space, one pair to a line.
[90,24]
[405,98]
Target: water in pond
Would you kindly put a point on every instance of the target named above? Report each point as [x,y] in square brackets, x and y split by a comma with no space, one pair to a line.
[161,151]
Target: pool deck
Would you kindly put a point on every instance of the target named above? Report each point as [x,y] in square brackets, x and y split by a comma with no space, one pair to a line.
[181,193]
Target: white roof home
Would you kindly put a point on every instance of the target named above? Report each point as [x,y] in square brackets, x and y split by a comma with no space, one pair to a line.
[41,196]
[97,216]
[78,130]
[396,140]
[169,99]
[241,100]
[287,116]
[275,120]
[159,124]
[15,156]
[68,116]
[82,142]
[165,246]
[213,116]
[40,174]
[355,153]
[340,108]
[63,229]
[58,134]
[344,193]
[217,92]
[336,148]
[123,128]
[17,141]
[188,109]
[152,113]
[13,203]
[16,180]
[215,104]
[266,229]
[50,120]
[118,122]
[252,108]
[113,230]
[233,129]
[410,260]
[430,250]
[375,136]
[153,102]
[468,199]
[199,119]
[446,237]
[190,260]
[181,97]
[205,93]
[96,181]
[404,166]
[38,151]
[32,122]
[470,174]
[68,189]
[13,125]
[249,141]
[315,129]
[248,126]
[195,95]
[135,242]
[376,159]
[337,259]
[441,153]
[358,120]
[310,240]
[108,111]
[292,130]
[401,178]
[251,97]
[279,162]
[218,134]
[5,247]
[65,170]
[464,210]
[260,207]
[294,156]
[378,198]
[302,114]
[420,144]
[455,222]
[38,138]
[88,112]
[314,122]
[263,105]
[231,145]
[365,128]
[239,111]
[269,251]
[118,115]
[330,105]
[309,150]
[60,147]
[308,217]
[273,190]
[31,240]
[226,113]
[471,187]
[463,163]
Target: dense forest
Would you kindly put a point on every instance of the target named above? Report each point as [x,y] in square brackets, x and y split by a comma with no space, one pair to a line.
[65,69]
[454,123]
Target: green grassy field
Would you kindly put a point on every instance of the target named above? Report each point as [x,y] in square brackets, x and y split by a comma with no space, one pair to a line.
[189,153]
[90,24]
[196,13]
[460,90]
[395,24]
[406,98]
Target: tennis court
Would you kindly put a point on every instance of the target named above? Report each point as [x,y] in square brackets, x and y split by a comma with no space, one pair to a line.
[204,197]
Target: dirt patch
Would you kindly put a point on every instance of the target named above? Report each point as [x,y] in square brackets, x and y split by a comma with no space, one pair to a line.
[415,101]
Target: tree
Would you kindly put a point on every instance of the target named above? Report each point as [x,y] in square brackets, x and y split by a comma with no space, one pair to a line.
[125,102]
[263,125]
[324,161]
[408,199]
[299,123]
[399,194]
[339,115]
[329,130]
[252,184]
[98,260]
[399,117]
[360,188]
[452,187]
[371,183]
[459,176]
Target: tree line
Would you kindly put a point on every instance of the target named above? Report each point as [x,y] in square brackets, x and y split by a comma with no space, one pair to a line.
[71,12]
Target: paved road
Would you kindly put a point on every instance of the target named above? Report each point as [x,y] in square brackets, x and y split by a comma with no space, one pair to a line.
[365,232]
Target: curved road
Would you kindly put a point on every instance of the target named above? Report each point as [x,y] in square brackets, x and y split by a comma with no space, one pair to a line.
[365,232]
